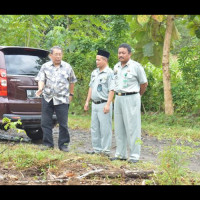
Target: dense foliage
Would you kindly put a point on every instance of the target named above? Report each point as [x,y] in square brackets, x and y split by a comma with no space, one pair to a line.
[81,36]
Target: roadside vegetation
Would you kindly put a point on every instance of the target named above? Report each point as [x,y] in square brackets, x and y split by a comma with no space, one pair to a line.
[27,164]
[81,36]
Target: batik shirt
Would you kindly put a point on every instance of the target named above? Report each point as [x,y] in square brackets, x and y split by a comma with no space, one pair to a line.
[57,80]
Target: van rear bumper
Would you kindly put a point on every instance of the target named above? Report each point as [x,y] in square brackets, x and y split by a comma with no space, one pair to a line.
[28,121]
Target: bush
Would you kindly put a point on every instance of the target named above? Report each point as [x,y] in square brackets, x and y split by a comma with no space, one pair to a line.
[173,168]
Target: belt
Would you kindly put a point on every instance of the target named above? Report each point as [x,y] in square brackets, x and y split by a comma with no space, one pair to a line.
[98,102]
[124,94]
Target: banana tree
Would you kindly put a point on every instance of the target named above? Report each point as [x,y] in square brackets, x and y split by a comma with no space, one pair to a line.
[153,36]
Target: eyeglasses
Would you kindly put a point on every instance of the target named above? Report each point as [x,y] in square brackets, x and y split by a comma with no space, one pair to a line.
[57,54]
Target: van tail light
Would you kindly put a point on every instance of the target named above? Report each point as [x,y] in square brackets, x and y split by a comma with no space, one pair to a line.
[3,83]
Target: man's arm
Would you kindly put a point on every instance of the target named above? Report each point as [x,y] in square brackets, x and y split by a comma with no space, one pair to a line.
[71,91]
[143,88]
[40,88]
[86,106]
[106,109]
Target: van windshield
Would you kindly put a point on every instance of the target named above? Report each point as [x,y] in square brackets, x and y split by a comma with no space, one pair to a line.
[24,64]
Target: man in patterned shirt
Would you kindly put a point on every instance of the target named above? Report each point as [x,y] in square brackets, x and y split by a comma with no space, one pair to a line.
[56,80]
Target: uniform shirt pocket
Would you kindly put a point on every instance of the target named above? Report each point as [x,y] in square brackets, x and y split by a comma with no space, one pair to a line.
[129,75]
[104,79]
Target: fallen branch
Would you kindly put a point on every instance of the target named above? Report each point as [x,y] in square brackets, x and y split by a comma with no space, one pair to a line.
[14,138]
[99,172]
[3,151]
[119,173]
[90,173]
[138,174]
[41,181]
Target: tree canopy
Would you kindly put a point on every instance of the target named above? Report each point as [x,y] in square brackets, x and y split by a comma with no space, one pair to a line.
[82,35]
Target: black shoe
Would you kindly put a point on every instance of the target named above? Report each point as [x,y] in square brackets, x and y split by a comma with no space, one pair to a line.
[116,158]
[90,152]
[65,149]
[105,154]
[133,161]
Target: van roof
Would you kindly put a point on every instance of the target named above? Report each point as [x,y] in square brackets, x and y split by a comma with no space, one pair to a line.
[20,47]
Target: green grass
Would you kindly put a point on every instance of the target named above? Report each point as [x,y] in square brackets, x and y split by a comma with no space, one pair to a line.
[79,121]
[24,156]
[166,127]
[158,125]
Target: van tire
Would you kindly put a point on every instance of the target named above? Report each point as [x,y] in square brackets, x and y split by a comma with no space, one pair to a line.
[34,134]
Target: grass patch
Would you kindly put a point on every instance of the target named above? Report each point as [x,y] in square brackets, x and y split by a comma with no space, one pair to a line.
[158,125]
[79,121]
[20,157]
[168,127]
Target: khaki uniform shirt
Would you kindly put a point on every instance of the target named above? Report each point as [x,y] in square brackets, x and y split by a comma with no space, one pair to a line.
[129,77]
[56,81]
[104,78]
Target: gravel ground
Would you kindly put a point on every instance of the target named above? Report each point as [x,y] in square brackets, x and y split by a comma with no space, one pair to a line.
[81,141]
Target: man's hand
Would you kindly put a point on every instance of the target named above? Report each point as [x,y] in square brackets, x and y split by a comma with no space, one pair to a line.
[70,98]
[38,93]
[106,109]
[86,106]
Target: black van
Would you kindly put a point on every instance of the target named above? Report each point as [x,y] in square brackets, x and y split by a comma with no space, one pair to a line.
[18,68]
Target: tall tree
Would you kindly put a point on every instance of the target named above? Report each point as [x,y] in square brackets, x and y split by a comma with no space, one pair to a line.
[169,110]
[153,36]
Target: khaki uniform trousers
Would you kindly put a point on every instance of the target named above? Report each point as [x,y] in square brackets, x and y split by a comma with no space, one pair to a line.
[127,122]
[101,128]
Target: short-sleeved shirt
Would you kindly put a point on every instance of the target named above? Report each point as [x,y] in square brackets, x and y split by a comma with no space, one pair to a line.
[104,78]
[130,77]
[57,80]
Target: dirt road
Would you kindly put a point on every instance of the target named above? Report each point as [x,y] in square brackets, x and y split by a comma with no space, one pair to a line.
[81,141]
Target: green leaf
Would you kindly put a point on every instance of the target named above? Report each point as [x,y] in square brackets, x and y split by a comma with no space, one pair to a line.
[175,33]
[158,18]
[157,58]
[148,49]
[143,19]
[71,47]
[197,33]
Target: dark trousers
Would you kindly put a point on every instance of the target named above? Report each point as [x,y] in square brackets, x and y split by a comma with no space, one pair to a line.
[47,123]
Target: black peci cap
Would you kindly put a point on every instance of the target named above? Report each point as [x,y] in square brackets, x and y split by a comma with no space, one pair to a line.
[103,53]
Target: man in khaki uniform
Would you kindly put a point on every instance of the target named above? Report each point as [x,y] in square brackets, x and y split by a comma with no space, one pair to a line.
[130,84]
[101,92]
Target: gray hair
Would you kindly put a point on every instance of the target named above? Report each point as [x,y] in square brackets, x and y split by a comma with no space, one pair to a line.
[55,47]
[124,45]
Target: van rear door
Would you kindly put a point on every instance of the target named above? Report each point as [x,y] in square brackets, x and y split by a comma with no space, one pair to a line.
[22,65]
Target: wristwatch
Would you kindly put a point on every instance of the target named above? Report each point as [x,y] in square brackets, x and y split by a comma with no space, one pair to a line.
[71,94]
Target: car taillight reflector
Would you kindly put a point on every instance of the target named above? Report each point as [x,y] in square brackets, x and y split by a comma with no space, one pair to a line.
[15,117]
[3,82]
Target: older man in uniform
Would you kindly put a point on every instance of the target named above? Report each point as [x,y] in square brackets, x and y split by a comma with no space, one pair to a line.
[101,92]
[130,84]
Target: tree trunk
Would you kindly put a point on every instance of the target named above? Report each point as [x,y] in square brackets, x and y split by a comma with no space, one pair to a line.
[169,110]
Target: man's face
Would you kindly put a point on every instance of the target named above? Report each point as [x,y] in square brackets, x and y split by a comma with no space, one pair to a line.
[100,61]
[123,55]
[56,56]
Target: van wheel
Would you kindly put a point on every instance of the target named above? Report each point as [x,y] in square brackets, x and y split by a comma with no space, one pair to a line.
[34,134]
